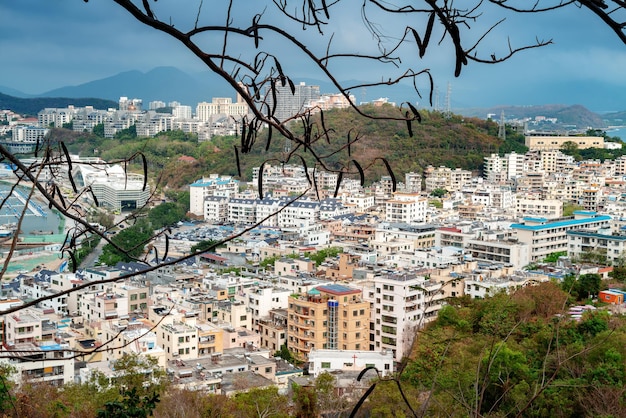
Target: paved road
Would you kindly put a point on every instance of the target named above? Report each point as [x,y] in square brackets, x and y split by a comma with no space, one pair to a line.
[91,258]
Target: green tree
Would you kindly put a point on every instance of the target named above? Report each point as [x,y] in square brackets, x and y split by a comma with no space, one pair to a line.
[305,400]
[554,257]
[132,405]
[569,208]
[130,132]
[589,285]
[7,399]
[571,148]
[131,241]
[166,214]
[439,193]
[321,255]
[204,245]
[179,196]
[98,130]
[262,403]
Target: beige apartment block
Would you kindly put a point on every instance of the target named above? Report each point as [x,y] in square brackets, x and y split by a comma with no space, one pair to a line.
[334,317]
[556,142]
[548,208]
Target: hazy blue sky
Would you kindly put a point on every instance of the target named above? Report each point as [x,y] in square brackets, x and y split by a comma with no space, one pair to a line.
[49,44]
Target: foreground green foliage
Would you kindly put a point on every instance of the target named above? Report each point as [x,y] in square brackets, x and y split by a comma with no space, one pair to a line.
[513,356]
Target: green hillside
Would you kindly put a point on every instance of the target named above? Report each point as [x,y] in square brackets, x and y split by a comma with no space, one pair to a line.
[32,106]
[453,141]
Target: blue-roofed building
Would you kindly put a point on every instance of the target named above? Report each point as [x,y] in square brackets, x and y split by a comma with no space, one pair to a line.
[214,185]
[603,243]
[548,236]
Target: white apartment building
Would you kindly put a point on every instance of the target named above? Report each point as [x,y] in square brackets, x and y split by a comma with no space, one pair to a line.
[182,112]
[221,106]
[421,235]
[494,197]
[446,178]
[267,207]
[288,103]
[499,169]
[151,123]
[547,208]
[263,299]
[214,185]
[406,208]
[583,242]
[507,252]
[216,209]
[328,361]
[401,304]
[361,202]
[55,117]
[103,306]
[452,237]
[131,338]
[299,213]
[547,236]
[28,134]
[412,182]
[242,211]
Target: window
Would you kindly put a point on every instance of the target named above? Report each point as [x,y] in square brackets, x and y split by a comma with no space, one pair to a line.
[142,295]
[181,339]
[326,365]
[133,296]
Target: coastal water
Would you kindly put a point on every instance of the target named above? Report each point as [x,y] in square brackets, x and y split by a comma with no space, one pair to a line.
[619,132]
[38,219]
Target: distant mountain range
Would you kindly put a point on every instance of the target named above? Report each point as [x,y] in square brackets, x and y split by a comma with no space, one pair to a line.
[171,84]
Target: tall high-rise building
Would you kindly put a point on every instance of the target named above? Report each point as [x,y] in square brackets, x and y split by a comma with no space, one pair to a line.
[289,104]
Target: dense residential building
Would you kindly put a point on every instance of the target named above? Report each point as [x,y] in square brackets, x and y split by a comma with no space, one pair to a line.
[214,185]
[547,236]
[333,317]
[446,178]
[406,208]
[547,208]
[220,107]
[596,245]
[506,251]
[401,303]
